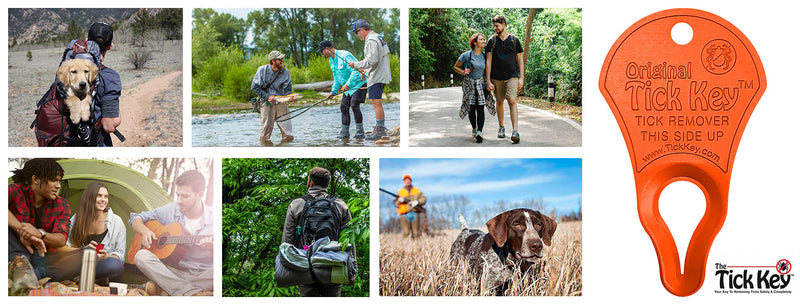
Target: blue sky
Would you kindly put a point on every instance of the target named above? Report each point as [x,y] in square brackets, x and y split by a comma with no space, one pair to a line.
[556,181]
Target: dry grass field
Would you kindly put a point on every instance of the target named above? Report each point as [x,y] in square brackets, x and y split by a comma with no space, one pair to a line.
[422,267]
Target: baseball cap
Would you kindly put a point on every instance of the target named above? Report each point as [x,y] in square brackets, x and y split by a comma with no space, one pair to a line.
[275,54]
[359,24]
[325,44]
[406,176]
[101,33]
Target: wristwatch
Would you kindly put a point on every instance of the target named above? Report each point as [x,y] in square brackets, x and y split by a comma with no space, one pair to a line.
[43,233]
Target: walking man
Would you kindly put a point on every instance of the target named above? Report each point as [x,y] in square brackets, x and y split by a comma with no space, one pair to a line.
[378,71]
[318,181]
[347,80]
[503,63]
[270,82]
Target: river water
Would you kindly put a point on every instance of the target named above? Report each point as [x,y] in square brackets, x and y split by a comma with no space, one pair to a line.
[319,126]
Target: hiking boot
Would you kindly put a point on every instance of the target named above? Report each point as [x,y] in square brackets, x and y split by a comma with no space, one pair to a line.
[515,136]
[501,133]
[21,276]
[345,132]
[479,137]
[359,131]
[377,133]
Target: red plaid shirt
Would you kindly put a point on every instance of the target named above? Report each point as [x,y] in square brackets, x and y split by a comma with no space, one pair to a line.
[55,213]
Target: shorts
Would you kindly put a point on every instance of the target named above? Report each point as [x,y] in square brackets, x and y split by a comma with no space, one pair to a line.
[376,91]
[505,89]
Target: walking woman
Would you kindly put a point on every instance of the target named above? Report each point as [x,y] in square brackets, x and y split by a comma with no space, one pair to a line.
[96,227]
[472,65]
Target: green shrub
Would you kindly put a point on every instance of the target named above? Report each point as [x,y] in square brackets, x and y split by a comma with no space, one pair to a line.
[318,69]
[394,66]
[236,82]
[299,74]
[211,74]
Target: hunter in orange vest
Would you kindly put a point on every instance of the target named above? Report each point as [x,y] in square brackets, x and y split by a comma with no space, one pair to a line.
[409,203]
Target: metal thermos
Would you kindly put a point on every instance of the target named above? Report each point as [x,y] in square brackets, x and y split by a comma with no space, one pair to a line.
[88,266]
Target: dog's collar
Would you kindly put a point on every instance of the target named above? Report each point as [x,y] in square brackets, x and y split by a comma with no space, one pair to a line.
[503,253]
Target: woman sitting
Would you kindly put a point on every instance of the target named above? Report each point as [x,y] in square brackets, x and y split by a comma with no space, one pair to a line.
[96,227]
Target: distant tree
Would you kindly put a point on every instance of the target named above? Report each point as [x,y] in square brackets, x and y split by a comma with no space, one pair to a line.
[74,31]
[232,31]
[170,21]
[143,22]
[29,55]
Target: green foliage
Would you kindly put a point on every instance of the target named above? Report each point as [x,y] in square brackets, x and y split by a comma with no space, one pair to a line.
[256,194]
[295,32]
[204,46]
[74,31]
[318,68]
[211,74]
[170,21]
[231,30]
[438,36]
[29,55]
[394,65]
[236,82]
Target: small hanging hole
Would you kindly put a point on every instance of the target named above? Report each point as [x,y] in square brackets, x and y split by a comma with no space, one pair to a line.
[682,33]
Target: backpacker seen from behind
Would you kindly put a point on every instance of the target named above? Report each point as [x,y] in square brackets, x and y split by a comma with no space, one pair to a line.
[320,218]
[51,125]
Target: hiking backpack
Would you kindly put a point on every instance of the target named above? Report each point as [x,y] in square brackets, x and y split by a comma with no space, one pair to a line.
[51,123]
[320,218]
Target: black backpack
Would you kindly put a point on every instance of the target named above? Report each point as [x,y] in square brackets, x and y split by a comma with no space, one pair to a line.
[320,218]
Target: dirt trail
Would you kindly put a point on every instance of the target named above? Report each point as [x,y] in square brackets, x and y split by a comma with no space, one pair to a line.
[136,106]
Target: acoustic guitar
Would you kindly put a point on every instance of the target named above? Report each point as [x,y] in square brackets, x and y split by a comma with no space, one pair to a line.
[169,246]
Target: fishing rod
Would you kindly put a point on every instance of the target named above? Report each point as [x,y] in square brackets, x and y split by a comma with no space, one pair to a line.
[346,63]
[301,110]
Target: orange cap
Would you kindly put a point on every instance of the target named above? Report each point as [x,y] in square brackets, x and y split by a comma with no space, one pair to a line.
[406,176]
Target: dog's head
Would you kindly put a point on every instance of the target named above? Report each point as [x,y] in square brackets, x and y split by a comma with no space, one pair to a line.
[524,230]
[77,74]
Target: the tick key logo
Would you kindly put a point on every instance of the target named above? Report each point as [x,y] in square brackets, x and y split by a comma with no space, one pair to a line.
[754,279]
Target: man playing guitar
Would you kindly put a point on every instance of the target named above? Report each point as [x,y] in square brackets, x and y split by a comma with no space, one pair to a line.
[193,273]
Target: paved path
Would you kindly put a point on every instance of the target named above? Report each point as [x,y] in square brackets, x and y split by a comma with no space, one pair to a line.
[434,122]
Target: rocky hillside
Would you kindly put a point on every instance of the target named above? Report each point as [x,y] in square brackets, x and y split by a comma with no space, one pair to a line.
[41,24]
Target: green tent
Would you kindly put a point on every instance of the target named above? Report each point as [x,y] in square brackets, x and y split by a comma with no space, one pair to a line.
[129,191]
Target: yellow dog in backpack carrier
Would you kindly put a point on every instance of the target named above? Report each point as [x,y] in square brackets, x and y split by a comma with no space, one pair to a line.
[78,75]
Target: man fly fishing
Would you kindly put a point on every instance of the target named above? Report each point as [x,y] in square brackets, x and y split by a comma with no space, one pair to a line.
[376,64]
[351,82]
[270,82]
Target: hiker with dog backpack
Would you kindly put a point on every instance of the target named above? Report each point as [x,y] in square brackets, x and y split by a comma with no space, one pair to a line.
[314,216]
[52,126]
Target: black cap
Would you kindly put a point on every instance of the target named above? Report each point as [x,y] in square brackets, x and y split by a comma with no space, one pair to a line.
[325,44]
[101,33]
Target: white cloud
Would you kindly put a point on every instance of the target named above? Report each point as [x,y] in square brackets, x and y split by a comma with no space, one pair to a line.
[429,168]
[455,187]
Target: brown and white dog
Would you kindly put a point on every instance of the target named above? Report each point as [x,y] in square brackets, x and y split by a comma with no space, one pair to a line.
[516,238]
[78,75]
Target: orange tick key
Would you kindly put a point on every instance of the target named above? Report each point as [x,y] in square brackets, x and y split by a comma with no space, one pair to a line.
[682,104]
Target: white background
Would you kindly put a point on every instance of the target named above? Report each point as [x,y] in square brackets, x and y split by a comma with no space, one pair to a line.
[620,265]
